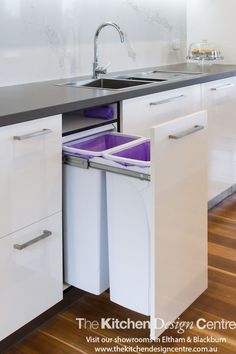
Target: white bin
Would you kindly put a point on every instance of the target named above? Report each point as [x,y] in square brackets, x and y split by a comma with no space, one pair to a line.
[128,208]
[85,211]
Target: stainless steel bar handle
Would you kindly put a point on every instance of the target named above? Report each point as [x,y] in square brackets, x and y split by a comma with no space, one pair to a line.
[44,235]
[222,87]
[185,133]
[167,100]
[32,135]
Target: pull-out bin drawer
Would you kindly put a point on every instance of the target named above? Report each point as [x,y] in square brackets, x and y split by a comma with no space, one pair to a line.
[85,211]
[156,213]
[157,229]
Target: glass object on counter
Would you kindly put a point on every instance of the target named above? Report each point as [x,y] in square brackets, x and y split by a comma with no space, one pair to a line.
[204,52]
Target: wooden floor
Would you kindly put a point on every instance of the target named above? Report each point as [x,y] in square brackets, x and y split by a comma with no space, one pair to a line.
[62,336]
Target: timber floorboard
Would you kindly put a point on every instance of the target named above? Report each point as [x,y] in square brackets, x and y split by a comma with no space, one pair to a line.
[61,335]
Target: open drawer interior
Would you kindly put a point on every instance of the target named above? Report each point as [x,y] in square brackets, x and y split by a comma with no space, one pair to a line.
[90,118]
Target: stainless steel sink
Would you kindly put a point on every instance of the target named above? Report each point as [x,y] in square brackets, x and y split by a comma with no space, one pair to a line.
[109,84]
[159,75]
[134,79]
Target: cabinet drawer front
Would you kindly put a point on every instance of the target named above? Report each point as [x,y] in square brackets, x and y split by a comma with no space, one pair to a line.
[140,114]
[31,278]
[219,98]
[179,215]
[30,176]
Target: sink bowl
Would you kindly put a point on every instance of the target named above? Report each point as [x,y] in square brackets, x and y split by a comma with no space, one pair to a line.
[133,79]
[108,84]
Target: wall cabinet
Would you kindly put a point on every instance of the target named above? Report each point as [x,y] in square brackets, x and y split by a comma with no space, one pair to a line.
[139,114]
[219,98]
[30,228]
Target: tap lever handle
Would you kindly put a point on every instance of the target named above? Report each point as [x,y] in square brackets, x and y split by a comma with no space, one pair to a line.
[100,69]
[107,66]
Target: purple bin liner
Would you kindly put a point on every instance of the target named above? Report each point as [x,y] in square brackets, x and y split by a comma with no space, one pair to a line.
[102,112]
[140,152]
[101,143]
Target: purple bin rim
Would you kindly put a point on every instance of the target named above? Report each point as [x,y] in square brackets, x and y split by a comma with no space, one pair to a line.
[98,144]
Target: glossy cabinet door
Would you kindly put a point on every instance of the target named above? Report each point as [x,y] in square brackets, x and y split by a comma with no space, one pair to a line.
[30,175]
[140,114]
[219,98]
[179,217]
[31,273]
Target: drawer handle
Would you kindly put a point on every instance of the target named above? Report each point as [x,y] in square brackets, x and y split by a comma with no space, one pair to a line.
[32,135]
[44,235]
[222,87]
[191,131]
[167,100]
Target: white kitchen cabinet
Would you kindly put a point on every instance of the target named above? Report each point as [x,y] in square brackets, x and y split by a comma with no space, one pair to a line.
[30,176]
[179,216]
[30,273]
[157,231]
[31,221]
[139,114]
[219,98]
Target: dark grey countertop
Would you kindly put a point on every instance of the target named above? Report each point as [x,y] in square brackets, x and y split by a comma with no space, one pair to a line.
[37,100]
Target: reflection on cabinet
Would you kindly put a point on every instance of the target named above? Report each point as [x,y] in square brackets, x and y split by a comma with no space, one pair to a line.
[139,114]
[219,98]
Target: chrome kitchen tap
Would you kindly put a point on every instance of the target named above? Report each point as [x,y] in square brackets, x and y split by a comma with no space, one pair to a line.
[97,69]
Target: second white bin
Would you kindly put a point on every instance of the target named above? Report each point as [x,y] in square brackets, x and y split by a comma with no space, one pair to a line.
[128,215]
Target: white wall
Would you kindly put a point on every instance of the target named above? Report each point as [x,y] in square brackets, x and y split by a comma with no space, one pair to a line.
[51,39]
[213,20]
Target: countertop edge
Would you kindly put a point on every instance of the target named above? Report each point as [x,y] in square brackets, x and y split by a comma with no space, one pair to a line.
[107,97]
